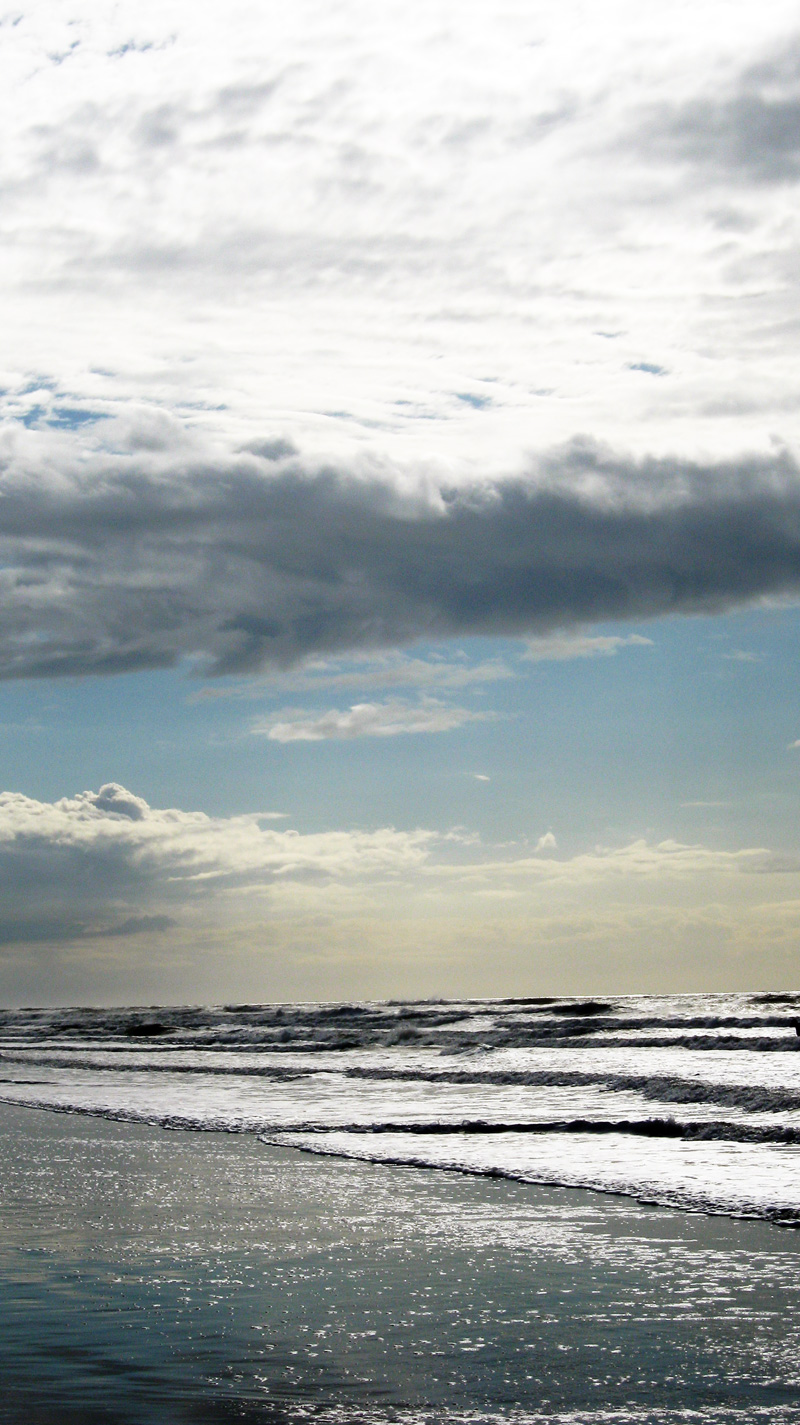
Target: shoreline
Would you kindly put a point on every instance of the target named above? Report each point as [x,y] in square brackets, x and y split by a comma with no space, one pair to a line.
[779,1219]
[775,1217]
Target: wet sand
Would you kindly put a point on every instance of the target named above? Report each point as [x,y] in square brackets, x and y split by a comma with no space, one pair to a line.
[168,1277]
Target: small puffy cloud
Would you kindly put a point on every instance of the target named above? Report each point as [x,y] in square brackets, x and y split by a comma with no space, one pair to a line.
[561,647]
[547,842]
[114,800]
[389,719]
[399,670]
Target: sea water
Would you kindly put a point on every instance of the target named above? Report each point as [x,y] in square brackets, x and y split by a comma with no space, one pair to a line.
[291,1255]
[689,1101]
[150,1277]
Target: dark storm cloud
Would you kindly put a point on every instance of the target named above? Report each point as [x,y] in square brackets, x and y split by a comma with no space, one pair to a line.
[117,564]
[751,132]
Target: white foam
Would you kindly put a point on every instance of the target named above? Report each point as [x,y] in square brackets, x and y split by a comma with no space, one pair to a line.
[734,1178]
[347,1079]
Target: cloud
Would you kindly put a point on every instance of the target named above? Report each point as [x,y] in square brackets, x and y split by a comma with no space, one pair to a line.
[63,925]
[114,561]
[371,192]
[386,671]
[366,720]
[558,648]
[745,135]
[94,898]
[113,841]
[102,878]
[159,507]
[750,132]
[137,925]
[704,804]
[639,860]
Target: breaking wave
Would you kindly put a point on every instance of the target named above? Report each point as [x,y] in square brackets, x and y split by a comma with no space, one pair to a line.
[688,1100]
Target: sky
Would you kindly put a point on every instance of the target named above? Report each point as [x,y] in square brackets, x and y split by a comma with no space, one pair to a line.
[399,499]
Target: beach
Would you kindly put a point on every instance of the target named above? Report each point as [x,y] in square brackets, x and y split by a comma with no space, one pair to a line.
[151,1276]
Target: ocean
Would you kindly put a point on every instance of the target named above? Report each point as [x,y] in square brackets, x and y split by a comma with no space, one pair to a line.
[513,1210]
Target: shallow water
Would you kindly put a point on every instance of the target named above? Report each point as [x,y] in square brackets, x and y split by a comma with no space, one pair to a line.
[690,1101]
[150,1277]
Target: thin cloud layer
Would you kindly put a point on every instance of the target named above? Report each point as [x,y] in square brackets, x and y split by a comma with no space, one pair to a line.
[639,860]
[562,648]
[118,562]
[383,671]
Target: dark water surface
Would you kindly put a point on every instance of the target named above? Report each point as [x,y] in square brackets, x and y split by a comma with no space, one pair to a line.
[150,1277]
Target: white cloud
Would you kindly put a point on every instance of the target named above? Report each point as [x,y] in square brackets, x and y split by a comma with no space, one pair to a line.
[366,720]
[111,841]
[638,860]
[128,842]
[560,647]
[403,194]
[99,889]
